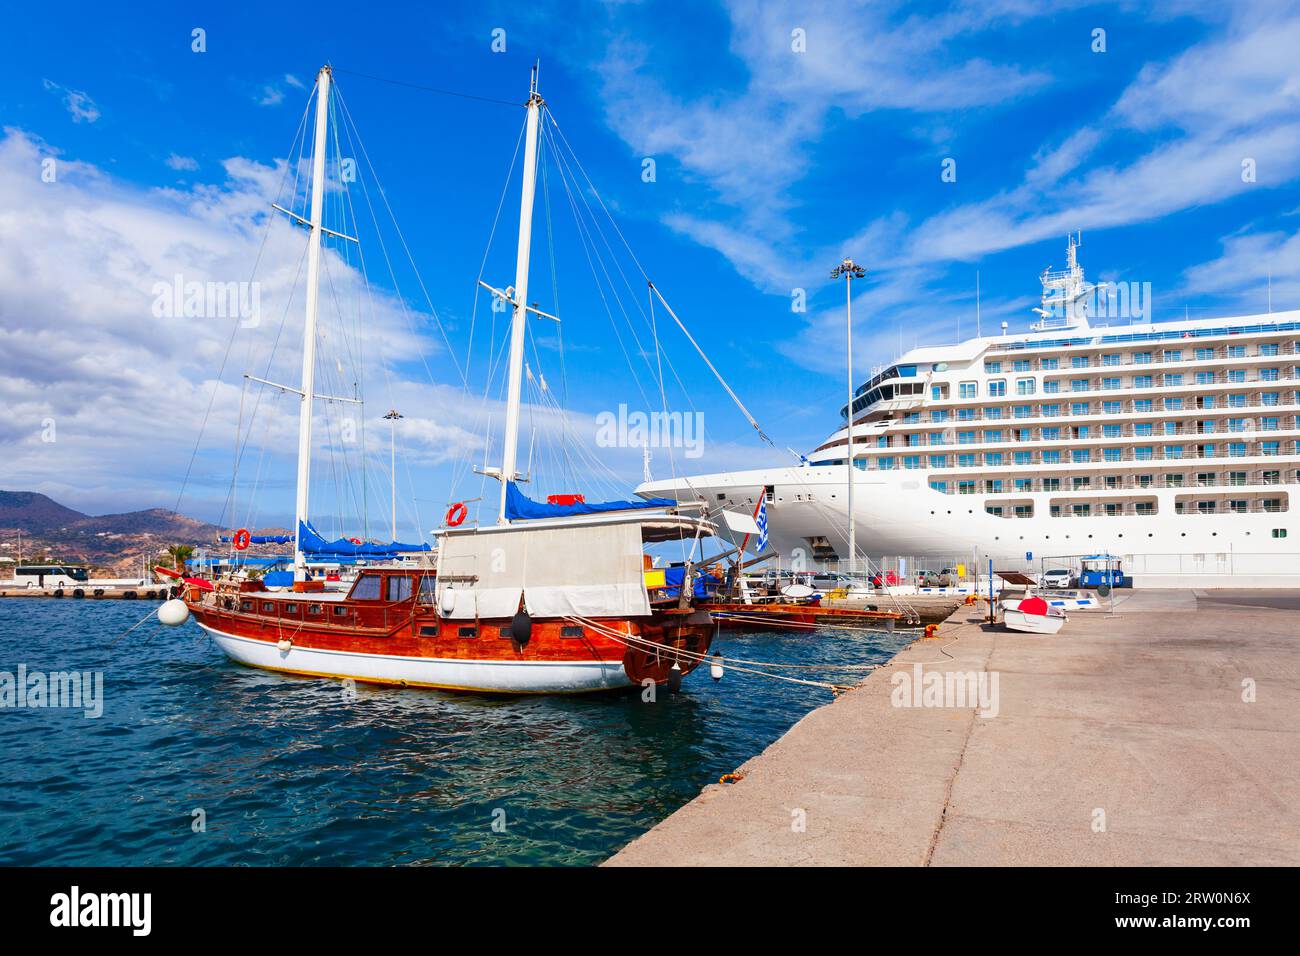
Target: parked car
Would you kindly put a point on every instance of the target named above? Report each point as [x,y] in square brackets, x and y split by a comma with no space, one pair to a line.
[936,579]
[1056,578]
[831,581]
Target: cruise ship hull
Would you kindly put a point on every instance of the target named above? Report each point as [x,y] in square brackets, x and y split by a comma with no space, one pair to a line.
[899,515]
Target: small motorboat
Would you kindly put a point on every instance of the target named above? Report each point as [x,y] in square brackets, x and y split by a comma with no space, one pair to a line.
[1032,615]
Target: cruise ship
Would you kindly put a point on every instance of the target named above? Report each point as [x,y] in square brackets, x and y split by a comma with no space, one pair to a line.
[1170,445]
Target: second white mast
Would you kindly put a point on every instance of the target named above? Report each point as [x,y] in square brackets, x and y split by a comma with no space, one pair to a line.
[519,318]
[309,325]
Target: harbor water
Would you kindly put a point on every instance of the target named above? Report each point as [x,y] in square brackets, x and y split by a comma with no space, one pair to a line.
[197,760]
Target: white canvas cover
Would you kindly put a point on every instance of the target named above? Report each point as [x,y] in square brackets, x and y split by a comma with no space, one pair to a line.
[589,571]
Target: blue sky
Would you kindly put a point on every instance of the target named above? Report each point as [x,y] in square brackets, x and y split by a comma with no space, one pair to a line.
[771,164]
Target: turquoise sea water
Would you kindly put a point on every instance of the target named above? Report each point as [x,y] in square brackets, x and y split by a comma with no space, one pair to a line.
[289,771]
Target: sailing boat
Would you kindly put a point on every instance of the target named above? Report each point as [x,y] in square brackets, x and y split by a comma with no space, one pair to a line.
[554,598]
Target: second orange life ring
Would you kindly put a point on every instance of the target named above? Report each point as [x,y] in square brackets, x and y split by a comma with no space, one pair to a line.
[457,514]
[242,539]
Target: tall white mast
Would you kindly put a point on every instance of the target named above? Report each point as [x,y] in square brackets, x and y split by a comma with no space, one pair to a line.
[850,270]
[520,299]
[309,326]
[392,416]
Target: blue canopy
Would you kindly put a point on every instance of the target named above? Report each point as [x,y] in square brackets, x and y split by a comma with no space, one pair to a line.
[311,542]
[520,506]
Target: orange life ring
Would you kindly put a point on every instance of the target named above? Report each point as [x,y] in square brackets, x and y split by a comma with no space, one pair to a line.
[242,539]
[355,540]
[457,514]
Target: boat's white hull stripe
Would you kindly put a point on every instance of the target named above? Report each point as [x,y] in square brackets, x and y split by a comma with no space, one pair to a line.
[518,677]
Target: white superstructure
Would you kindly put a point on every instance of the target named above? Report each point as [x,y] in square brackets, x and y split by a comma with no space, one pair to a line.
[1172,445]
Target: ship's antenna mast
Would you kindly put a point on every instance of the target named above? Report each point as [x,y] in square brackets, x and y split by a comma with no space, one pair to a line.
[520,296]
[309,326]
[850,270]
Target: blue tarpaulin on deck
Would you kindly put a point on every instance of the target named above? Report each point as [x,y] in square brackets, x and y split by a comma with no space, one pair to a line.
[311,542]
[520,506]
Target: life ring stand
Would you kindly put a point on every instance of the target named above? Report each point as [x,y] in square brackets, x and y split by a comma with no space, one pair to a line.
[457,514]
[242,539]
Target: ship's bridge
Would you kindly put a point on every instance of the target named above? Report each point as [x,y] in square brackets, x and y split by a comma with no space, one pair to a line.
[899,385]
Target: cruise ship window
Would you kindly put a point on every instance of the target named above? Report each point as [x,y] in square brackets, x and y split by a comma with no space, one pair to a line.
[1268,348]
[1021,365]
[1024,411]
[1173,404]
[1236,351]
[1173,355]
[992,414]
[1051,388]
[1144,405]
[1141,358]
[966,390]
[1079,361]
[1051,484]
[1112,359]
[993,367]
[1204,355]
[1024,386]
[965,414]
[998,387]
[1110,431]
[1049,364]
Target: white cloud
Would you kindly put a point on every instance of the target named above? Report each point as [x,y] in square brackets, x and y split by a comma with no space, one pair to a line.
[81,346]
[78,104]
[182,163]
[270,95]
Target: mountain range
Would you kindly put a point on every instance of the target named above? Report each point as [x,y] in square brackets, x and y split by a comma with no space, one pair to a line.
[58,532]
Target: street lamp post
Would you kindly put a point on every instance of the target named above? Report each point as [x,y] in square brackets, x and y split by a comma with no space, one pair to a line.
[392,417]
[849,270]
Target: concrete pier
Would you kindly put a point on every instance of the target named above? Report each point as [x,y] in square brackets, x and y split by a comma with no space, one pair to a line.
[1166,733]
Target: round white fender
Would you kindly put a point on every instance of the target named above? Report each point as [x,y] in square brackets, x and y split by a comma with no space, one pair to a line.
[173,612]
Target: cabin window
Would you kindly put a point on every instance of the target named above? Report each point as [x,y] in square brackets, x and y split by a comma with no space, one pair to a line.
[268,607]
[291,609]
[428,630]
[428,589]
[505,632]
[571,631]
[313,609]
[1279,532]
[366,588]
[341,610]
[468,632]
[245,605]
[399,588]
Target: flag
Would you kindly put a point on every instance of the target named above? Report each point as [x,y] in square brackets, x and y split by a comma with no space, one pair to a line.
[760,519]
